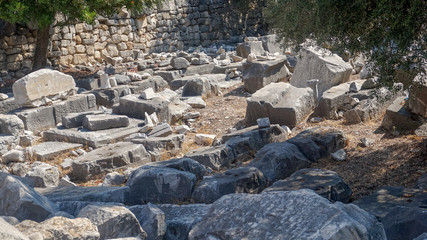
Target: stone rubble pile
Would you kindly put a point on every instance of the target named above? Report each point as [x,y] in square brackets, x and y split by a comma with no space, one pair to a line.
[115,128]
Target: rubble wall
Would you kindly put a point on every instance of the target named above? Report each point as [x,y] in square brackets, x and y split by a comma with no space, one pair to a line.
[177,25]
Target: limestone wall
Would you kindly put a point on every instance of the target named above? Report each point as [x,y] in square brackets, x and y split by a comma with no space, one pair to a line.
[177,25]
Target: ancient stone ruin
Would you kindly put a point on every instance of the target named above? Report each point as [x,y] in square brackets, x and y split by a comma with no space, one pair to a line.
[119,151]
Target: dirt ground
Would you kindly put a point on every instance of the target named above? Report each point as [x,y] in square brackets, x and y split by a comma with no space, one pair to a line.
[397,160]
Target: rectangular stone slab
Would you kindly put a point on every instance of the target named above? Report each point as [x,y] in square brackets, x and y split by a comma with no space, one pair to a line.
[90,194]
[93,139]
[133,106]
[104,159]
[102,121]
[41,83]
[167,143]
[37,119]
[49,150]
[74,104]
[73,120]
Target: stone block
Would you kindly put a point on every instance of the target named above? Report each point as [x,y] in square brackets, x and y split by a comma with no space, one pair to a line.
[170,142]
[133,106]
[41,83]
[48,150]
[94,139]
[102,121]
[73,120]
[257,75]
[106,158]
[330,69]
[282,103]
[37,119]
[74,104]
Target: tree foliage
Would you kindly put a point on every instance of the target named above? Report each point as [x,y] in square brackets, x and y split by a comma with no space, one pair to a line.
[393,34]
[42,14]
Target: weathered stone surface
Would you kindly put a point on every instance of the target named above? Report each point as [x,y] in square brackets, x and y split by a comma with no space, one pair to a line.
[41,83]
[269,43]
[167,143]
[326,183]
[93,139]
[103,121]
[157,83]
[43,175]
[239,180]
[49,150]
[61,228]
[330,69]
[13,156]
[246,48]
[183,164]
[8,105]
[421,237]
[152,220]
[298,214]
[214,157]
[169,75]
[418,96]
[20,201]
[179,63]
[113,179]
[317,143]
[405,223]
[334,99]
[257,75]
[74,104]
[177,110]
[67,198]
[37,119]
[280,160]
[113,221]
[195,102]
[160,185]
[256,137]
[9,232]
[197,86]
[161,130]
[181,218]
[133,106]
[381,202]
[397,118]
[106,158]
[11,125]
[282,103]
[110,97]
[73,120]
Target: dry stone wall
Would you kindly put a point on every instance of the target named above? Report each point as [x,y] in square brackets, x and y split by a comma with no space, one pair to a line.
[177,25]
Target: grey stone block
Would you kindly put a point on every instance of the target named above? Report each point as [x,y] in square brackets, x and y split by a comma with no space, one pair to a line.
[74,104]
[214,157]
[257,75]
[170,142]
[37,119]
[73,120]
[93,139]
[107,158]
[133,106]
[48,150]
[281,102]
[102,122]
[239,180]
[326,183]
[175,186]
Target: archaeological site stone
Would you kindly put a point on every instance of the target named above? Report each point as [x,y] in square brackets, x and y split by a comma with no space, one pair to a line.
[41,83]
